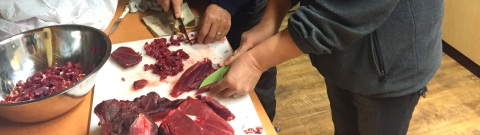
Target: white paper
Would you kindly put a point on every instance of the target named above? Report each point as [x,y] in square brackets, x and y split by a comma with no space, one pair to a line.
[159,24]
[187,16]
[144,5]
[163,24]
[17,16]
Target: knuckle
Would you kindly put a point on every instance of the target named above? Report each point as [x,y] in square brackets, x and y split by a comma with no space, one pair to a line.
[211,36]
[244,36]
[206,19]
[244,91]
[228,82]
[203,32]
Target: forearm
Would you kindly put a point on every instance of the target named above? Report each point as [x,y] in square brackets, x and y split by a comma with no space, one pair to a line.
[274,51]
[275,11]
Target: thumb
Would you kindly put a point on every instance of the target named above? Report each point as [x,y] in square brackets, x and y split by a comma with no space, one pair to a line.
[165,4]
[243,48]
[177,4]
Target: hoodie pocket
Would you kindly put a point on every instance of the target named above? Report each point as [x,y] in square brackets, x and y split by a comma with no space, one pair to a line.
[378,58]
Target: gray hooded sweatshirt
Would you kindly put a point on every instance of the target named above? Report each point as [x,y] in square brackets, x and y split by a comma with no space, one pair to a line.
[380,48]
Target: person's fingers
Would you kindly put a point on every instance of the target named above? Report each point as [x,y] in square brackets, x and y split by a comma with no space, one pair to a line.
[225,27]
[177,4]
[220,32]
[165,4]
[242,49]
[231,58]
[228,93]
[219,86]
[205,27]
[212,33]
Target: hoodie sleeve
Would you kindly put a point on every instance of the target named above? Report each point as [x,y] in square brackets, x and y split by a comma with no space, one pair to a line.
[321,26]
[230,5]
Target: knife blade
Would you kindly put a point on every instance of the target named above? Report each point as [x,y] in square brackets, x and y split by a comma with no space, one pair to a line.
[181,26]
[215,76]
[125,11]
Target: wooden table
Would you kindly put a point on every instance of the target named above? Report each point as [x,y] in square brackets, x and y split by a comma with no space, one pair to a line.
[76,121]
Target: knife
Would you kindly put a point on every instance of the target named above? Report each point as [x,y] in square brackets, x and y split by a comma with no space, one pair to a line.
[125,11]
[215,76]
[181,26]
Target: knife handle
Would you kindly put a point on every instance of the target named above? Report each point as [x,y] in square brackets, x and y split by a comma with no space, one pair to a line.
[173,12]
[125,11]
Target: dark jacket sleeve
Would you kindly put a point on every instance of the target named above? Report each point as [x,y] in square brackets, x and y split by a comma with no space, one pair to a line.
[230,5]
[323,25]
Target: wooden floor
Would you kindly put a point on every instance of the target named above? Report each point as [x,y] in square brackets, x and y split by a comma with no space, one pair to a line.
[452,105]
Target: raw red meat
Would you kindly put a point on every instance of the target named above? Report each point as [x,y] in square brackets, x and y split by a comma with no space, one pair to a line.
[205,88]
[142,125]
[154,105]
[126,57]
[218,108]
[256,130]
[169,63]
[178,123]
[139,84]
[95,49]
[124,119]
[179,117]
[43,83]
[180,37]
[192,77]
[193,41]
[205,117]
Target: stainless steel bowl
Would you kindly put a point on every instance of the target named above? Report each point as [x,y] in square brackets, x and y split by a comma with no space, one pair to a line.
[24,54]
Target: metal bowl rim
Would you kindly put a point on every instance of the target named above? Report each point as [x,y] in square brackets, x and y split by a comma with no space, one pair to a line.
[97,68]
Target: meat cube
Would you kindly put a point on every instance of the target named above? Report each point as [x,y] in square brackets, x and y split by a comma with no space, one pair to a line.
[139,84]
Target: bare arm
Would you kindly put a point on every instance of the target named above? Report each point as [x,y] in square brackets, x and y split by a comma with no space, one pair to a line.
[275,11]
[274,51]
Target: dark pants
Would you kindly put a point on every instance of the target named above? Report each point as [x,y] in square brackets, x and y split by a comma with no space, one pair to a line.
[354,114]
[248,16]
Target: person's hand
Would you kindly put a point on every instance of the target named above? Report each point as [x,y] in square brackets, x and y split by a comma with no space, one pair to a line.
[250,39]
[215,24]
[240,78]
[165,4]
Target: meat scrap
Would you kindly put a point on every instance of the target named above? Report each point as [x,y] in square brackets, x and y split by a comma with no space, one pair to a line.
[256,130]
[43,83]
[139,84]
[192,77]
[178,117]
[168,63]
[126,57]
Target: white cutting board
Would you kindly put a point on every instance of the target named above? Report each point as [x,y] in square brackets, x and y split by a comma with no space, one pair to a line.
[109,82]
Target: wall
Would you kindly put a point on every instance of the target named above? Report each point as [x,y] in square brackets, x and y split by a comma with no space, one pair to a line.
[461,27]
